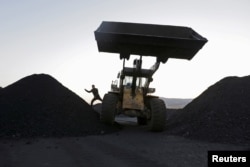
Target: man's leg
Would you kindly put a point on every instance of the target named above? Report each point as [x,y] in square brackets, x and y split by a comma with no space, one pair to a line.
[99,98]
[92,101]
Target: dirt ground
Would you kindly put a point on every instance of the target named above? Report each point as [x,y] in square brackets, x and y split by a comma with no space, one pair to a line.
[132,146]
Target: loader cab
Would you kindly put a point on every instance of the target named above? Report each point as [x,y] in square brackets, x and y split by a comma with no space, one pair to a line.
[128,80]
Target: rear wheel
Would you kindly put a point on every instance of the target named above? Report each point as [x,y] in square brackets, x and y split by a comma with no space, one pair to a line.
[157,121]
[108,111]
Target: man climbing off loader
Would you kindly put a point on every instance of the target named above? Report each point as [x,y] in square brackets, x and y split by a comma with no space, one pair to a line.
[94,90]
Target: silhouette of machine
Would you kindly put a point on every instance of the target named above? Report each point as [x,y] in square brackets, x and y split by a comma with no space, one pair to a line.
[131,95]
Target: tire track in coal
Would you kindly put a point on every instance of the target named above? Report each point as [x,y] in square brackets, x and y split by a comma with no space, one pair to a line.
[5,158]
[124,156]
[83,154]
[95,152]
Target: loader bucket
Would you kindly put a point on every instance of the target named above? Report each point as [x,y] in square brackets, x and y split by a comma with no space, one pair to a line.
[161,41]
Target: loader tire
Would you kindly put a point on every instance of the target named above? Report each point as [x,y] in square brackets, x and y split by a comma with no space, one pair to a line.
[141,121]
[108,111]
[157,121]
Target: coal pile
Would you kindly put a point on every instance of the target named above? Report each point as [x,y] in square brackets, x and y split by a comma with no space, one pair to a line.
[38,105]
[219,114]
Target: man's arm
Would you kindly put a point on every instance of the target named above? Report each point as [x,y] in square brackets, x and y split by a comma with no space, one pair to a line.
[89,91]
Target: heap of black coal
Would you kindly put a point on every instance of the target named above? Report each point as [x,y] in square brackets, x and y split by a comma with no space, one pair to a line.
[38,105]
[219,114]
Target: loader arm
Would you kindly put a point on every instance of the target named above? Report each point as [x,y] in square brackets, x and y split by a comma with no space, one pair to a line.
[153,69]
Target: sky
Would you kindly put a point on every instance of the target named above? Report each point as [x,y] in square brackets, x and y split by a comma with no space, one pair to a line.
[56,37]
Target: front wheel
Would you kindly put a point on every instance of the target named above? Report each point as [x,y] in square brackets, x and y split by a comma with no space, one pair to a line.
[157,121]
[141,121]
[108,111]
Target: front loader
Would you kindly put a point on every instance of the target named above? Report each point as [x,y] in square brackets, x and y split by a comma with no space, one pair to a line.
[132,94]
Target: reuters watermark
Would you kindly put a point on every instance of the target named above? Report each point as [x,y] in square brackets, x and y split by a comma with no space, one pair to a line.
[228,158]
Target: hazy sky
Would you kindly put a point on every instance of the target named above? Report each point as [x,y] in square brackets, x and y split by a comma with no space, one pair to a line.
[56,37]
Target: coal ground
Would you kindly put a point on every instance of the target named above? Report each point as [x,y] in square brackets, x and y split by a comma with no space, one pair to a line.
[220,114]
[39,105]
